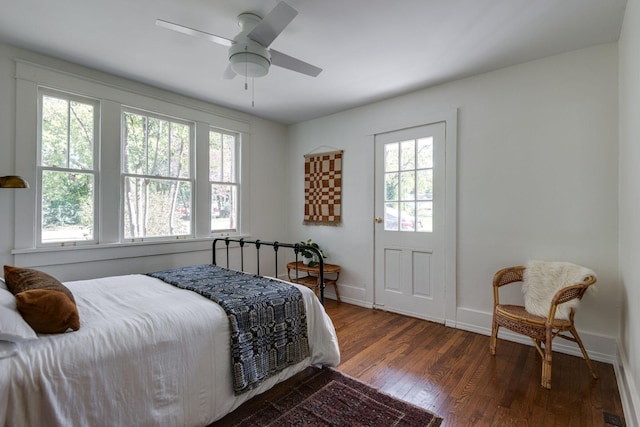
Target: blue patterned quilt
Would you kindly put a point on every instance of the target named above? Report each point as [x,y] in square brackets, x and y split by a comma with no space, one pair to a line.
[267,318]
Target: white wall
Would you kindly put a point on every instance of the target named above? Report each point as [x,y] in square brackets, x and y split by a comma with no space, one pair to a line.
[265,178]
[537,178]
[629,51]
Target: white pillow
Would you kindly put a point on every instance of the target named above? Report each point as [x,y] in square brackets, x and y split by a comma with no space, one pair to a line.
[12,325]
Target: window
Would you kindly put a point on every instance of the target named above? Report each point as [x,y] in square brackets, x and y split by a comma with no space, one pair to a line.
[68,130]
[156,166]
[408,172]
[223,178]
[122,172]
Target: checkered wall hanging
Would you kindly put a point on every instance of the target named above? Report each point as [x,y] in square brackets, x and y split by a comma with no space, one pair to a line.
[323,188]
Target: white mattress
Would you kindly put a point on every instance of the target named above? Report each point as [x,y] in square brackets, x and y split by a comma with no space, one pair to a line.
[147,354]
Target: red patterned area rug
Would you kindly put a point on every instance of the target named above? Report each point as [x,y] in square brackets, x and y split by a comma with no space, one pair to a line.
[329,398]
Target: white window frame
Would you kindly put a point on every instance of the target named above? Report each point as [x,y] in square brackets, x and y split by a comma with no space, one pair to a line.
[237,183]
[113,95]
[126,174]
[42,92]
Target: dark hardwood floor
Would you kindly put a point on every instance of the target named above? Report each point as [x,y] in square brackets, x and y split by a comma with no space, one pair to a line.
[450,372]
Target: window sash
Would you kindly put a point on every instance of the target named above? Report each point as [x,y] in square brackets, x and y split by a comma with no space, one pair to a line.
[135,224]
[224,152]
[44,238]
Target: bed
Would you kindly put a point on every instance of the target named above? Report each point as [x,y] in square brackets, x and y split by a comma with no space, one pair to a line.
[147,354]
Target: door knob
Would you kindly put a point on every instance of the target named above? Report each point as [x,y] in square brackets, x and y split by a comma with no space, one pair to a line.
[378,220]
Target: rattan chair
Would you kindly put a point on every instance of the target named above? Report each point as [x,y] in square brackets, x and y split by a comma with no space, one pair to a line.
[541,330]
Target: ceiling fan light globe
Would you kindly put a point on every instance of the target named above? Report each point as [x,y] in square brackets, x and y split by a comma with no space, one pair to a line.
[249,64]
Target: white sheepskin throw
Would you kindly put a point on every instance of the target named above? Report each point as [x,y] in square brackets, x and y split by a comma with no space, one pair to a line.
[542,279]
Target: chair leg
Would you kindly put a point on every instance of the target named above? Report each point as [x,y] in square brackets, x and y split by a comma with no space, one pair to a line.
[546,361]
[494,336]
[574,332]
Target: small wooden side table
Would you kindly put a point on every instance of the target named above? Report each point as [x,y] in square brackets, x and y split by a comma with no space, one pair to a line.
[312,279]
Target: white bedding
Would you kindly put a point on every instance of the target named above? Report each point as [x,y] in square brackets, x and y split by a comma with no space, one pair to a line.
[147,354]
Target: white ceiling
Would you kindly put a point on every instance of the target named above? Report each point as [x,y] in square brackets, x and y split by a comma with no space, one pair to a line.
[368,49]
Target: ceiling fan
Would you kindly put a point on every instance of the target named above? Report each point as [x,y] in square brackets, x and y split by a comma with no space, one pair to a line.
[249,53]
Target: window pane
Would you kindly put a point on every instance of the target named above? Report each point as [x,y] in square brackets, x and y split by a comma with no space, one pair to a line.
[424,182]
[407,155]
[81,134]
[157,147]
[391,156]
[228,158]
[135,156]
[215,156]
[180,138]
[223,207]
[407,216]
[391,186]
[158,154]
[67,206]
[391,216]
[425,153]
[407,185]
[156,207]
[55,131]
[425,217]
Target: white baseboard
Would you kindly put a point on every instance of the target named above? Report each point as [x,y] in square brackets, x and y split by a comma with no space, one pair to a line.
[628,389]
[599,347]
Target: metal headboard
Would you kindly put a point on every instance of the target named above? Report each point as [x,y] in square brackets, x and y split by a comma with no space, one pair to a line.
[297,247]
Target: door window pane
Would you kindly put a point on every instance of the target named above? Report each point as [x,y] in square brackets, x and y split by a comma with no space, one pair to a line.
[407,216]
[424,216]
[407,155]
[391,217]
[391,156]
[424,184]
[409,184]
[425,153]
[391,186]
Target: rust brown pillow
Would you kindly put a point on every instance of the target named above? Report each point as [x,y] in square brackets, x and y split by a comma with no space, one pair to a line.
[45,304]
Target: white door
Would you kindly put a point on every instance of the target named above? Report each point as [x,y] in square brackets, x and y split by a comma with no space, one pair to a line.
[409,221]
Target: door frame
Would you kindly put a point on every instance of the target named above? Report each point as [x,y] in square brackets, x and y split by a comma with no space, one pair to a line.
[450,118]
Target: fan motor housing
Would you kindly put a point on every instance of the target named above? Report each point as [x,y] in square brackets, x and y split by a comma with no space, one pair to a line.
[248,57]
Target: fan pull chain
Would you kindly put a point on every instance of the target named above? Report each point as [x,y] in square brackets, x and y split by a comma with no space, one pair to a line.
[253,93]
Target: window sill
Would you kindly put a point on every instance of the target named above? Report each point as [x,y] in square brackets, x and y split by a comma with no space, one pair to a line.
[60,255]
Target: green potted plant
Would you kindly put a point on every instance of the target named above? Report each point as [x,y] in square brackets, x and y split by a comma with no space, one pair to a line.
[308,257]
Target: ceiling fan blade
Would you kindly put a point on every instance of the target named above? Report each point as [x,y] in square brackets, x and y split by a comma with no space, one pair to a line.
[229,74]
[273,24]
[289,62]
[193,32]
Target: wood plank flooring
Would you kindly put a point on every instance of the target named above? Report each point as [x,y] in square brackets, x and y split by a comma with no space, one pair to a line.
[450,372]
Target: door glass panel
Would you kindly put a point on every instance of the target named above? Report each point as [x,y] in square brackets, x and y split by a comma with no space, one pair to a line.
[407,216]
[424,217]
[391,186]
[391,156]
[409,185]
[391,216]
[425,153]
[408,155]
[424,183]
